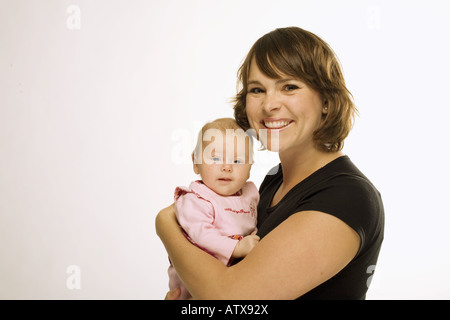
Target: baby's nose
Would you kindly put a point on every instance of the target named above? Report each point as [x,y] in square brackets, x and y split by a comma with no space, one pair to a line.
[226,167]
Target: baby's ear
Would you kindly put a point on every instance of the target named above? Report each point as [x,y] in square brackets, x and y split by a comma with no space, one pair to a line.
[196,169]
[195,165]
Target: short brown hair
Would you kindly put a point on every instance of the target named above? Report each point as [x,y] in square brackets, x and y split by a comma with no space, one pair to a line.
[301,54]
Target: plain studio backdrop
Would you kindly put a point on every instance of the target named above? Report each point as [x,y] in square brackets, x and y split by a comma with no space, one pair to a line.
[100,103]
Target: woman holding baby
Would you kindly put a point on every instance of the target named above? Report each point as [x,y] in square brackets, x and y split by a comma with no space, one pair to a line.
[320,221]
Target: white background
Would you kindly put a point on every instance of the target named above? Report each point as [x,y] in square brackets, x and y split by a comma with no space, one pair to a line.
[98,118]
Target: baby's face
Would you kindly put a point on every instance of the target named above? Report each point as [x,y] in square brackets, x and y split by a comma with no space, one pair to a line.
[225,168]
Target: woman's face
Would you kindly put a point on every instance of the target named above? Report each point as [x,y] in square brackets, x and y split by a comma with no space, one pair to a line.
[284,110]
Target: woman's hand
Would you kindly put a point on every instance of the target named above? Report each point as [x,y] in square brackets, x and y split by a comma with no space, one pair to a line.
[164,219]
[173,294]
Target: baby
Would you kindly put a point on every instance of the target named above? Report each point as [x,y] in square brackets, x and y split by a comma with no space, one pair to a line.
[218,212]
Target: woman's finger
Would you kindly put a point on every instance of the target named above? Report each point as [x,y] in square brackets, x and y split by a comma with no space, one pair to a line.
[173,294]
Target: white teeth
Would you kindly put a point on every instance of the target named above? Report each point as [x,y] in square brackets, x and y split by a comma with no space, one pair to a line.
[276,124]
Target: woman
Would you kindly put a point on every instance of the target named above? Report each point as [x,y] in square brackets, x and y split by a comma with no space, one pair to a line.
[320,220]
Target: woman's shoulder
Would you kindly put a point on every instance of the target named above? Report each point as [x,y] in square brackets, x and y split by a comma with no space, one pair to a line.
[342,190]
[342,184]
[344,181]
[349,195]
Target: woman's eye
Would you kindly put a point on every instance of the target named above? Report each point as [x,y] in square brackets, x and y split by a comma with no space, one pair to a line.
[290,87]
[256,90]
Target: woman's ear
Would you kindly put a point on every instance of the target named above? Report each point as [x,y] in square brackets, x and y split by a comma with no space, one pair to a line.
[325,107]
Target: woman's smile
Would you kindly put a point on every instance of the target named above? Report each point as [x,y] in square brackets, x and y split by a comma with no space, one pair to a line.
[276,124]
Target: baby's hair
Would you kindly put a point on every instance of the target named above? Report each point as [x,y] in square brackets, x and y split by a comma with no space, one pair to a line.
[221,124]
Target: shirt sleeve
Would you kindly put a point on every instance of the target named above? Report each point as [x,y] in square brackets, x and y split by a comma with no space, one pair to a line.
[351,200]
[196,217]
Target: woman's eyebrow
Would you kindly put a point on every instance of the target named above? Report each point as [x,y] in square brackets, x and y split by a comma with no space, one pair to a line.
[253,82]
[279,81]
[285,80]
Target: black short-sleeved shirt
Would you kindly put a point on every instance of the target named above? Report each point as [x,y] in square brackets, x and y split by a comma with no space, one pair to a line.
[341,190]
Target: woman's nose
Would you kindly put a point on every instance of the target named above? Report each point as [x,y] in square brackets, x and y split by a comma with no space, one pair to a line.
[271,102]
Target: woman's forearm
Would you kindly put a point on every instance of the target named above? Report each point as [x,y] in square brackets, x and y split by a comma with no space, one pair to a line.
[319,246]
[201,273]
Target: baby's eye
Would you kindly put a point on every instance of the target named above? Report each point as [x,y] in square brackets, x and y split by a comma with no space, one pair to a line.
[215,159]
[238,161]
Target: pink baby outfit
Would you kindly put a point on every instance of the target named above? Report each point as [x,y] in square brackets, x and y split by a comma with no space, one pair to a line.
[213,222]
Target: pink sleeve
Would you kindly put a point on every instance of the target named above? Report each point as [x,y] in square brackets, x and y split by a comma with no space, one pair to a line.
[196,217]
[253,190]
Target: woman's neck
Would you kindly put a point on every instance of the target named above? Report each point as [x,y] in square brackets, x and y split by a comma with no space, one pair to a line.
[297,166]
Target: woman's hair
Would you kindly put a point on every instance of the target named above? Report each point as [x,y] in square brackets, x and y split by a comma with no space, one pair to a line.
[221,124]
[303,55]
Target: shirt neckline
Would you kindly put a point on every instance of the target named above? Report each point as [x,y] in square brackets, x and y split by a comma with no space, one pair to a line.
[304,181]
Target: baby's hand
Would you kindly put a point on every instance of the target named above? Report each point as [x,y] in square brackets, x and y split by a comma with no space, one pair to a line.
[245,245]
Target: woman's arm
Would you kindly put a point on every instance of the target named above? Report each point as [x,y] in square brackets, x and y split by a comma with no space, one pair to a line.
[304,251]
[183,254]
